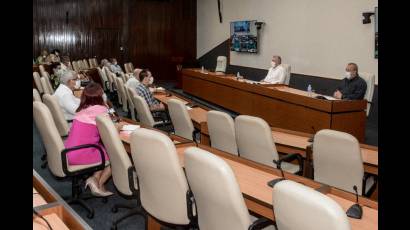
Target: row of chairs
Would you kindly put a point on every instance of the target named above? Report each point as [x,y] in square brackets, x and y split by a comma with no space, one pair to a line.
[43,83]
[337,155]
[84,64]
[206,195]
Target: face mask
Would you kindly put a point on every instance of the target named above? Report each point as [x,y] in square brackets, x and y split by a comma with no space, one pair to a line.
[151,80]
[78,84]
[348,75]
[273,64]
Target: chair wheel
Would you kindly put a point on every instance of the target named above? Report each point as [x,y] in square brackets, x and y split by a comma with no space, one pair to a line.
[104,200]
[114,209]
[90,215]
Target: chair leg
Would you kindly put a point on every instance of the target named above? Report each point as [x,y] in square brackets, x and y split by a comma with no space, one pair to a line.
[132,212]
[81,202]
[115,208]
[44,164]
[44,157]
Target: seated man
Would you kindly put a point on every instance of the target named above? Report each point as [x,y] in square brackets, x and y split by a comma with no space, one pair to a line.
[143,91]
[133,82]
[64,93]
[353,87]
[276,74]
[114,67]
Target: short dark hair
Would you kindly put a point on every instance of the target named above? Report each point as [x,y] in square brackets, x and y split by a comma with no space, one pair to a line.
[355,66]
[143,74]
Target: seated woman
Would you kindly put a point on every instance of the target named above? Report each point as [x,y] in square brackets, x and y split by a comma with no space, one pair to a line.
[84,131]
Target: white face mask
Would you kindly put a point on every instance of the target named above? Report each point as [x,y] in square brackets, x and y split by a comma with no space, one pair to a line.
[78,84]
[151,80]
[273,64]
[348,75]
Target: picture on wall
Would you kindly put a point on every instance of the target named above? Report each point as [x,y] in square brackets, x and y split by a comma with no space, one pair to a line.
[376,32]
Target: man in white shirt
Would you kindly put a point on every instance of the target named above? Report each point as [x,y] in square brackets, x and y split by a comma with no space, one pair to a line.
[276,73]
[133,82]
[64,93]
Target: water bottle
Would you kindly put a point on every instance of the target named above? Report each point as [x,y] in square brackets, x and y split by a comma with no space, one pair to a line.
[309,89]
[238,76]
[202,69]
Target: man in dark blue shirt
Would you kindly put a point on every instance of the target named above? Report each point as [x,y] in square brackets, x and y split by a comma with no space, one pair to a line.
[353,87]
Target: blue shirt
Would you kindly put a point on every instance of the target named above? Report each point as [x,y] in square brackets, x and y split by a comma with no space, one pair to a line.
[144,92]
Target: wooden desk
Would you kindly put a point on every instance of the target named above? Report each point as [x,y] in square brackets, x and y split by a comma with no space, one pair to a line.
[253,177]
[279,105]
[54,221]
[197,114]
[51,206]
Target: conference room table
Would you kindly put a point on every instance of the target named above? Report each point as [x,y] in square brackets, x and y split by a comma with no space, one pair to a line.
[253,177]
[279,105]
[286,141]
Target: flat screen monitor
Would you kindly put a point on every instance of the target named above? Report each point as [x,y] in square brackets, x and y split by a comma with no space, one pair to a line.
[244,36]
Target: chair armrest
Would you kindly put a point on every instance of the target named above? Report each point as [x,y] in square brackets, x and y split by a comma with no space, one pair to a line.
[371,190]
[289,158]
[194,134]
[86,170]
[260,223]
[131,182]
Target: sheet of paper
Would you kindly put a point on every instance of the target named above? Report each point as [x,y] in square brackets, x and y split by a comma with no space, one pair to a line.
[188,108]
[130,127]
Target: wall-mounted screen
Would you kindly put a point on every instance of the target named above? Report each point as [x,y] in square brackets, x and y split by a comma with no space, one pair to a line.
[244,36]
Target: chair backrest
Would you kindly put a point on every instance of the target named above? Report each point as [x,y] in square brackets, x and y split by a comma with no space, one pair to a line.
[91,65]
[85,64]
[61,123]
[337,160]
[298,207]
[162,183]
[127,68]
[221,129]
[130,93]
[119,159]
[50,136]
[42,70]
[221,64]
[180,118]
[287,73]
[36,95]
[37,81]
[103,77]
[122,93]
[254,140]
[75,66]
[44,85]
[109,78]
[48,83]
[143,112]
[218,198]
[370,81]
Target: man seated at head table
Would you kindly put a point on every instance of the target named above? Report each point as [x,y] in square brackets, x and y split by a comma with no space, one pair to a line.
[64,93]
[276,73]
[353,87]
[143,91]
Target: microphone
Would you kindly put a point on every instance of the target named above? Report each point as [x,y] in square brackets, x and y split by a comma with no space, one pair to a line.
[275,181]
[312,138]
[355,211]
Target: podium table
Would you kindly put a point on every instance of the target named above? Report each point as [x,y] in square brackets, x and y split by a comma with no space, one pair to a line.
[279,105]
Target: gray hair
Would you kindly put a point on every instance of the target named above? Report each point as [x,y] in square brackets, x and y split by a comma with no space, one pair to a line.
[67,75]
[279,59]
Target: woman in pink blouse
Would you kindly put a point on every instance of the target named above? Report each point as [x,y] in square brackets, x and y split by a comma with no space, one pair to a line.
[84,131]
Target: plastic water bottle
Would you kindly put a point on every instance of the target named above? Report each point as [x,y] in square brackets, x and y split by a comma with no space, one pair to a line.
[309,89]
[202,69]
[238,75]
